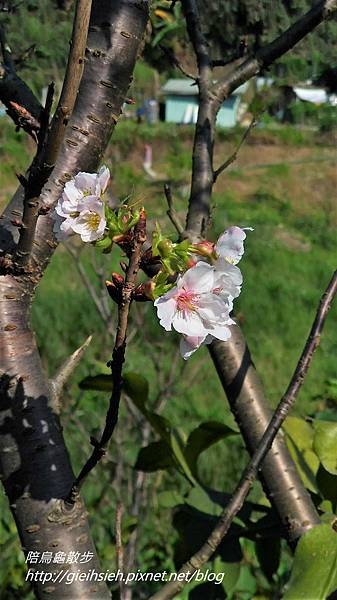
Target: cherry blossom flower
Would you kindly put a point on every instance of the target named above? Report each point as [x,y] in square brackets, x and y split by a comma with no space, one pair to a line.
[90,223]
[81,208]
[198,306]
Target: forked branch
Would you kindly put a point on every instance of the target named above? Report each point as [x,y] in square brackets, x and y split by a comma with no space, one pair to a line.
[268,54]
[232,359]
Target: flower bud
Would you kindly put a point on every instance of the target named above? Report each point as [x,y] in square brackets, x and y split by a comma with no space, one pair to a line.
[204,248]
[117,279]
[165,248]
[114,292]
[191,262]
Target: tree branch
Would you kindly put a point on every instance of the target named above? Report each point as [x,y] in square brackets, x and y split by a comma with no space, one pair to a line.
[22,106]
[268,54]
[171,589]
[25,393]
[202,158]
[60,378]
[232,358]
[47,152]
[175,62]
[119,545]
[171,212]
[118,357]
[234,156]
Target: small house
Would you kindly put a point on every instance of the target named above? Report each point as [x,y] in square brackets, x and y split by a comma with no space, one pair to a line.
[181,103]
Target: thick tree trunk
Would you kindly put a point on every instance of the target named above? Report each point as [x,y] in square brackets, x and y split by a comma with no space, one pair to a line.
[35,465]
[253,413]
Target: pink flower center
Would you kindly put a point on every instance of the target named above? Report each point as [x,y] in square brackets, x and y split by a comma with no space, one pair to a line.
[186,300]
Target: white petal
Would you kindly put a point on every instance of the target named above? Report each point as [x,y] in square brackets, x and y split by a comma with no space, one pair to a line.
[86,182]
[101,229]
[228,278]
[230,245]
[60,211]
[83,225]
[103,178]
[199,278]
[63,228]
[189,323]
[71,192]
[96,205]
[166,308]
[222,333]
[188,345]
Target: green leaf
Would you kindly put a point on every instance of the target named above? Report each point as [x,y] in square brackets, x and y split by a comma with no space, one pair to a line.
[314,572]
[247,582]
[178,448]
[137,387]
[325,444]
[169,499]
[100,383]
[228,573]
[154,457]
[199,499]
[104,244]
[204,436]
[299,437]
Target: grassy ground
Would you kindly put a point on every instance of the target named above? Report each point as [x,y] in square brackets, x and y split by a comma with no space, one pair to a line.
[284,185]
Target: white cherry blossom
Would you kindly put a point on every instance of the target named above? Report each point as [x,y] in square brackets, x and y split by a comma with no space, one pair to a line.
[90,223]
[80,209]
[198,306]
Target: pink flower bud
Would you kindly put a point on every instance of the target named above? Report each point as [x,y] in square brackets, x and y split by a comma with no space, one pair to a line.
[204,248]
[117,279]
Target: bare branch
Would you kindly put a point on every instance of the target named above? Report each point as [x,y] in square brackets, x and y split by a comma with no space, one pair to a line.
[60,378]
[202,159]
[118,355]
[234,156]
[119,545]
[171,212]
[71,81]
[176,63]
[47,153]
[267,55]
[232,359]
[22,106]
[171,589]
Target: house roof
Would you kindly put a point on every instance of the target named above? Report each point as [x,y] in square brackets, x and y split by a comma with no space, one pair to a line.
[315,95]
[186,87]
